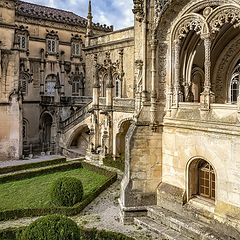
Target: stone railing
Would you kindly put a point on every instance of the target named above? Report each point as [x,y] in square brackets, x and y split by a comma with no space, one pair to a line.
[119,105]
[217,114]
[77,117]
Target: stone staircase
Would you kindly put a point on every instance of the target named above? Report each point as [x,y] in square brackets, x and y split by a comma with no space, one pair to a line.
[76,118]
[172,226]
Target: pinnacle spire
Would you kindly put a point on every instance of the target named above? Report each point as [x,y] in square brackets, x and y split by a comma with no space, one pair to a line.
[89,9]
[89,32]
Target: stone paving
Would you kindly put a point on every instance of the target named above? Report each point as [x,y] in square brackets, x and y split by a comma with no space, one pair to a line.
[33,160]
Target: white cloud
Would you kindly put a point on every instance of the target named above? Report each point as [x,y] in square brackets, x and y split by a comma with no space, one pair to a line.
[111,12]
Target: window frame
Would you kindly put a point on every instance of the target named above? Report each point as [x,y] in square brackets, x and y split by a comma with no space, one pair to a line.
[235,80]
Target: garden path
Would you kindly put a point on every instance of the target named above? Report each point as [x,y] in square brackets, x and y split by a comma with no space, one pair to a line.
[102,213]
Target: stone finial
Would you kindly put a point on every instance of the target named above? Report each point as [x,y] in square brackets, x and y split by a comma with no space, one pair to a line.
[89,18]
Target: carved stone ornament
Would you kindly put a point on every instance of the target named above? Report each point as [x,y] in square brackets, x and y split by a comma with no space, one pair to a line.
[138,10]
[160,6]
[222,16]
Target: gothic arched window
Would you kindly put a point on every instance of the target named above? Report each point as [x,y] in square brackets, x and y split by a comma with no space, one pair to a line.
[52,42]
[118,87]
[78,84]
[234,84]
[23,83]
[50,85]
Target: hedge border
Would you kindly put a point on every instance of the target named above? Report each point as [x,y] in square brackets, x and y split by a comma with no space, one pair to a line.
[12,233]
[36,172]
[25,166]
[67,211]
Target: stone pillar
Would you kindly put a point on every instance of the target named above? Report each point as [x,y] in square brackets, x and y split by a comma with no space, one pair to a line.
[177,88]
[153,108]
[207,97]
[109,106]
[138,95]
[144,46]
[95,113]
[62,74]
[42,73]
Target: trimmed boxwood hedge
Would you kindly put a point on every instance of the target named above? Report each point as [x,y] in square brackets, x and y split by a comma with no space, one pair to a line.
[94,234]
[68,211]
[52,227]
[36,172]
[9,169]
[67,191]
[86,234]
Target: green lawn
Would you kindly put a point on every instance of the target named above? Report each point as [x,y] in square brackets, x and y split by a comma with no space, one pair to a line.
[35,192]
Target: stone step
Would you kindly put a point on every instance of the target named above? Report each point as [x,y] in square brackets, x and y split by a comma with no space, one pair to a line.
[192,228]
[162,230]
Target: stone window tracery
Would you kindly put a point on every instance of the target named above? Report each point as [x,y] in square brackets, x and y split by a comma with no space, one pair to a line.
[52,42]
[78,85]
[118,87]
[50,85]
[21,37]
[234,84]
[76,45]
[23,82]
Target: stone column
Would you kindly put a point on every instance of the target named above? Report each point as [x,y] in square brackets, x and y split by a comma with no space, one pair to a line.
[153,108]
[138,94]
[207,97]
[62,74]
[144,46]
[177,89]
[109,106]
[96,85]
[95,113]
[121,71]
[42,73]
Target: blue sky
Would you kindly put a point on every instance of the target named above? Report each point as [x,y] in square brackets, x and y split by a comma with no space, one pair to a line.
[111,12]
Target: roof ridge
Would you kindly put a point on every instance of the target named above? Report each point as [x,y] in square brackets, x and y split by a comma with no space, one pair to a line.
[44,6]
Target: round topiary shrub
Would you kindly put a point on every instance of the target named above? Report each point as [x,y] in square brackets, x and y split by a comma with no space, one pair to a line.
[51,227]
[67,191]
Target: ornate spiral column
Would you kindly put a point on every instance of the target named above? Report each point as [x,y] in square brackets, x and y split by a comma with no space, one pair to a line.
[153,108]
[177,89]
[207,97]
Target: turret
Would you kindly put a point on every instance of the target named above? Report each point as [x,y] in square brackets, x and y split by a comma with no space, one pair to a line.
[89,32]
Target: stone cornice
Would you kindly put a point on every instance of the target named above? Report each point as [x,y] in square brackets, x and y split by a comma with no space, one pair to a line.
[128,40]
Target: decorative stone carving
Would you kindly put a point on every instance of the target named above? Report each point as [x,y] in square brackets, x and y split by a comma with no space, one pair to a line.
[189,25]
[159,7]
[207,11]
[139,68]
[224,15]
[138,10]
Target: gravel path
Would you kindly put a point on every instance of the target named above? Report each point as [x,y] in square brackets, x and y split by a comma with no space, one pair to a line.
[102,213]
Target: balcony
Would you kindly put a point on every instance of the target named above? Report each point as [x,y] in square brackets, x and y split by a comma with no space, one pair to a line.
[47,100]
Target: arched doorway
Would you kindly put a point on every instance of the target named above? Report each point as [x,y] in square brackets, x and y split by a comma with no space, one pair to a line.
[202,180]
[120,138]
[80,141]
[46,128]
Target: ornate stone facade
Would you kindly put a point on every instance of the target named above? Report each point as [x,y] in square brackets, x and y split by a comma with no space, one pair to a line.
[165,94]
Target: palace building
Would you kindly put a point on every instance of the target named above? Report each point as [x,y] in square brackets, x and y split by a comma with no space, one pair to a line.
[164,94]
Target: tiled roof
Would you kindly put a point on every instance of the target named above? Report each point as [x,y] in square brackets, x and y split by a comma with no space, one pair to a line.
[53,14]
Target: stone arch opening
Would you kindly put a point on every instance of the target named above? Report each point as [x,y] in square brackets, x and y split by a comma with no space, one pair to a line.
[201,180]
[120,138]
[46,125]
[79,142]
